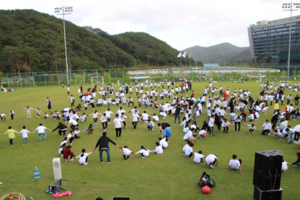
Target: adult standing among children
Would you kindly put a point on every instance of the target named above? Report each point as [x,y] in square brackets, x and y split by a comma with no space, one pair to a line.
[103,146]
[49,103]
[41,131]
[178,109]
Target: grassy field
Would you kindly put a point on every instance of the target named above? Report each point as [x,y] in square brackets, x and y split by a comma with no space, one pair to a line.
[167,176]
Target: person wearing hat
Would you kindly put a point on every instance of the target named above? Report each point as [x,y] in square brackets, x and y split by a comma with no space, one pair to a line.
[235,164]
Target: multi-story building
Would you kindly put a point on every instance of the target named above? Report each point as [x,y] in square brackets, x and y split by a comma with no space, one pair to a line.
[272,38]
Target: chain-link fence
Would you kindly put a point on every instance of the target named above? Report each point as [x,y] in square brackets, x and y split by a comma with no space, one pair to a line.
[126,75]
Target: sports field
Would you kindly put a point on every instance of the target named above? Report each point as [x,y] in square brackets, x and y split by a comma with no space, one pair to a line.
[167,176]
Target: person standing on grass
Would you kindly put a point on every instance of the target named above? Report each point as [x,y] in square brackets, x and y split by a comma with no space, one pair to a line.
[235,164]
[12,114]
[267,128]
[95,116]
[24,133]
[41,131]
[135,118]
[49,103]
[211,124]
[11,134]
[68,91]
[103,146]
[118,126]
[28,108]
[178,109]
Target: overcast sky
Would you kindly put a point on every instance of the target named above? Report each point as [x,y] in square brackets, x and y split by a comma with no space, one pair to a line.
[181,23]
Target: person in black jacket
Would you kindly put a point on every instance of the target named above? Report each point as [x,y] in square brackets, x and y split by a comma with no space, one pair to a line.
[62,129]
[297,161]
[103,146]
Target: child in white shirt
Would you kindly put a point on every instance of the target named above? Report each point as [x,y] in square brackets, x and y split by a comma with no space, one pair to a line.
[24,133]
[83,157]
[126,152]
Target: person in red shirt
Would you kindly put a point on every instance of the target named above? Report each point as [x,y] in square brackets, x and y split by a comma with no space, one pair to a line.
[182,84]
[193,94]
[68,153]
[225,95]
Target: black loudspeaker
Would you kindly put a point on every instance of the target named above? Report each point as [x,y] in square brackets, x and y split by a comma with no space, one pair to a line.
[267,194]
[121,198]
[267,169]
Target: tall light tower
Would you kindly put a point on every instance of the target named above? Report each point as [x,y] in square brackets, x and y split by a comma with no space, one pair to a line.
[290,7]
[64,11]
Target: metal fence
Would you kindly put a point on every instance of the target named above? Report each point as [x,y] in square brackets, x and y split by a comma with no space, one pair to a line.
[126,75]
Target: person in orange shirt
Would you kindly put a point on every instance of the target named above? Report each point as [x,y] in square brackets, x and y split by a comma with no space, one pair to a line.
[225,95]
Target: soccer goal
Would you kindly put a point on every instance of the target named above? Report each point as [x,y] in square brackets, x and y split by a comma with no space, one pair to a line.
[97,80]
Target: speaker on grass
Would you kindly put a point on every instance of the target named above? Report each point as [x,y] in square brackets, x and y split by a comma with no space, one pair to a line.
[56,168]
[267,169]
[267,194]
[121,198]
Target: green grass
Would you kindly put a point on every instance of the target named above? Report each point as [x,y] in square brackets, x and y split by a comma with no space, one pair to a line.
[167,176]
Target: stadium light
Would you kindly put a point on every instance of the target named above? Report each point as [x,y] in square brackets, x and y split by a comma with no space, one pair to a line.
[64,11]
[290,7]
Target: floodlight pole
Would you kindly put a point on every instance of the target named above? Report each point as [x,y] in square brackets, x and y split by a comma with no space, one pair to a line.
[63,13]
[289,7]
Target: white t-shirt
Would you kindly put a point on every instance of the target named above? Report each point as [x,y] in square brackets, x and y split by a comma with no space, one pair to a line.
[210,158]
[118,122]
[145,116]
[188,150]
[187,135]
[155,118]
[126,151]
[144,152]
[108,113]
[73,122]
[267,126]
[163,143]
[41,129]
[202,132]
[211,122]
[159,150]
[24,133]
[83,158]
[198,157]
[234,164]
[135,117]
[103,119]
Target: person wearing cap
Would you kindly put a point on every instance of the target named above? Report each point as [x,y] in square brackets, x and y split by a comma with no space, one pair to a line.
[267,128]
[41,131]
[158,149]
[235,164]
[103,146]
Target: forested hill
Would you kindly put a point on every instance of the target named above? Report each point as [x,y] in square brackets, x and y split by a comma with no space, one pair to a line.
[144,47]
[30,40]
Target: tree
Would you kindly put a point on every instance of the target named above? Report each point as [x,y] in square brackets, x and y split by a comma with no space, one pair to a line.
[199,63]
[213,74]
